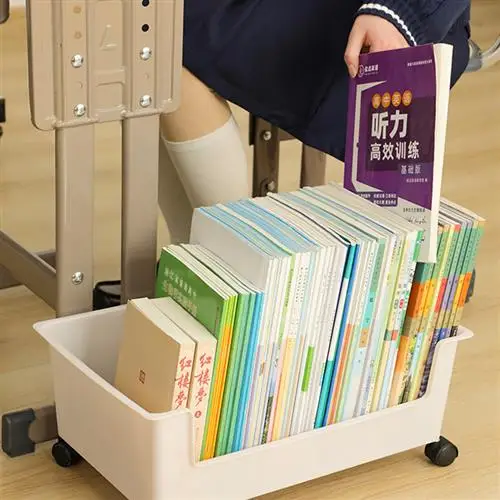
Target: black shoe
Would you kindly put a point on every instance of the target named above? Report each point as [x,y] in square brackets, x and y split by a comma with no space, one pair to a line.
[108,293]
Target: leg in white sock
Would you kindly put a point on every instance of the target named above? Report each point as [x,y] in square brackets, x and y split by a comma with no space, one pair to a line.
[212,169]
[206,161]
[173,202]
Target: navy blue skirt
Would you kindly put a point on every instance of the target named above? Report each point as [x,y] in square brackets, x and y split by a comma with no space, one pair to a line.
[283,61]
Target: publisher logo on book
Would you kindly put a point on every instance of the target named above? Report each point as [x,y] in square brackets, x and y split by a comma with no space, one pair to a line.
[367,70]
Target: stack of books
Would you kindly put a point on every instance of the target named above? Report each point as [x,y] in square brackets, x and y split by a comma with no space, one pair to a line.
[336,272]
[230,307]
[437,299]
[323,304]
[317,306]
[165,360]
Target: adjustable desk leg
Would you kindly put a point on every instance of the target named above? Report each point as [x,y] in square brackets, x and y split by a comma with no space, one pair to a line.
[313,171]
[94,62]
[22,430]
[139,206]
[74,219]
[266,141]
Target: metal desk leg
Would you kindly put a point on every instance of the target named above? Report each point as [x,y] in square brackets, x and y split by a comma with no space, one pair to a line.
[266,143]
[89,63]
[23,429]
[139,206]
[313,171]
[74,219]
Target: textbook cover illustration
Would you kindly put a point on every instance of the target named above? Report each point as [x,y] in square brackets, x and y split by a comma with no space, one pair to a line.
[396,130]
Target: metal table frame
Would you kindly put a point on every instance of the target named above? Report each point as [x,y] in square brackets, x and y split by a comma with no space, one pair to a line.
[89,63]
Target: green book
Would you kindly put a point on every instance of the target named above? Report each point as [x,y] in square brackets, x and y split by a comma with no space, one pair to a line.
[242,326]
[208,299]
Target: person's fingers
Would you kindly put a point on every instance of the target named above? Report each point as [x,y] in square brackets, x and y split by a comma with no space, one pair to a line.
[380,45]
[353,49]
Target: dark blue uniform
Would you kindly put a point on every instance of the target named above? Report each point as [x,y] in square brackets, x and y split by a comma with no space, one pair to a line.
[283,60]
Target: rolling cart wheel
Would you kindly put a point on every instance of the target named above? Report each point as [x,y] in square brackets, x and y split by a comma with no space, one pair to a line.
[442,453]
[64,455]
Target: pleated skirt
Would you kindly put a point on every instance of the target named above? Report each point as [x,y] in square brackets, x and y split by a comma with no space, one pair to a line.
[283,61]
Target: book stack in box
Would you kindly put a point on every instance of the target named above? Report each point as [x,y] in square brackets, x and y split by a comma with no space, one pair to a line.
[437,299]
[317,308]
[323,304]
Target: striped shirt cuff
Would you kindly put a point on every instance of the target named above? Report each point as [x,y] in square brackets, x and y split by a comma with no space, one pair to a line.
[401,14]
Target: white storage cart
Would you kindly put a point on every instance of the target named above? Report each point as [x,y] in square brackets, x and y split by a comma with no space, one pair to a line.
[151,456]
[75,59]
[94,62]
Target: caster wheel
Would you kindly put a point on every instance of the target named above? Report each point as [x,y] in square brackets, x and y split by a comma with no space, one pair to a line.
[442,453]
[64,455]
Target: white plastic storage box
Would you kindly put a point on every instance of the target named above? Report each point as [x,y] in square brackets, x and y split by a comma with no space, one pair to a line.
[151,456]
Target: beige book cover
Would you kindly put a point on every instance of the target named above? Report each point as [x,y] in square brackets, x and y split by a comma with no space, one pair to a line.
[155,361]
[203,362]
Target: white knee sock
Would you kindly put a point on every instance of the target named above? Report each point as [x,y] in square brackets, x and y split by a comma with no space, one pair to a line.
[212,169]
[172,200]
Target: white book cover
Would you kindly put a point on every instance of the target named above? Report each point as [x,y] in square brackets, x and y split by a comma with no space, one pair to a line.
[324,301]
[285,340]
[291,370]
[252,256]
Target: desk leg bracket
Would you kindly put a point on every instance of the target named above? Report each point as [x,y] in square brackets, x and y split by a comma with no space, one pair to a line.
[23,430]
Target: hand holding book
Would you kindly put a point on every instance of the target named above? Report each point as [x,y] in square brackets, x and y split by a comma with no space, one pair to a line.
[374,33]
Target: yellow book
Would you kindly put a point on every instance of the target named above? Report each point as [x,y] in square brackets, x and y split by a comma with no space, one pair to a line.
[155,359]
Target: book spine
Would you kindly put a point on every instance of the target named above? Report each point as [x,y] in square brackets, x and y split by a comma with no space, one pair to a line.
[337,334]
[282,344]
[182,387]
[438,312]
[352,390]
[241,382]
[376,351]
[454,278]
[390,332]
[468,243]
[411,326]
[311,354]
[410,272]
[341,381]
[249,374]
[201,381]
[232,386]
[215,398]
[309,315]
[408,334]
[463,273]
[276,299]
[467,279]
[327,336]
[292,345]
[424,336]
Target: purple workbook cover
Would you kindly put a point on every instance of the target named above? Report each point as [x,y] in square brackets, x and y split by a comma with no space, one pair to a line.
[390,147]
